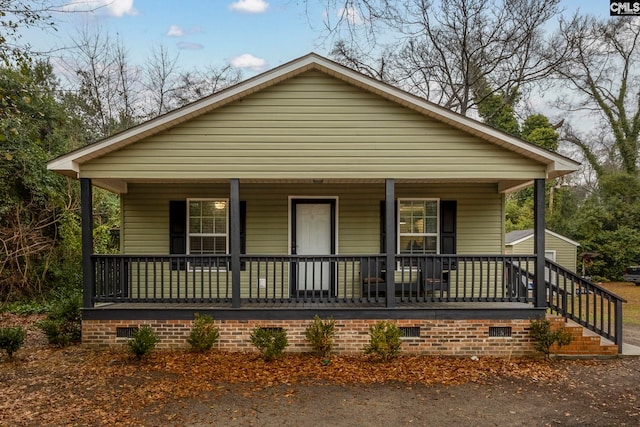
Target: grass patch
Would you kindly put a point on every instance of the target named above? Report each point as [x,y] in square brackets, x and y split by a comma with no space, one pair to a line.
[630,292]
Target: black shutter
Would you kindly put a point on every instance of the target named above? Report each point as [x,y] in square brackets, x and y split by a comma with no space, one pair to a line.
[177,230]
[383,224]
[448,210]
[243,232]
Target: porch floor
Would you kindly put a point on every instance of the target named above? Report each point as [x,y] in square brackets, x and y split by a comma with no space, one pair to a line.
[306,310]
[307,305]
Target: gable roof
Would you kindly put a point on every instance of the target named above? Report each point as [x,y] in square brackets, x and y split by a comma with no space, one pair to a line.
[69,164]
[519,236]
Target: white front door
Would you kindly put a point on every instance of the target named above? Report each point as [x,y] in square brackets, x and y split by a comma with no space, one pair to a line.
[313,236]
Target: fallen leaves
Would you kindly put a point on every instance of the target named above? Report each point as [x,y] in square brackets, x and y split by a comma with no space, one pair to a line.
[79,386]
[55,387]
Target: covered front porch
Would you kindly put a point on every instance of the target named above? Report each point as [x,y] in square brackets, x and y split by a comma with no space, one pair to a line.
[417,264]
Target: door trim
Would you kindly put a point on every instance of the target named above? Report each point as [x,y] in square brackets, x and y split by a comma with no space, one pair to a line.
[293,202]
[333,200]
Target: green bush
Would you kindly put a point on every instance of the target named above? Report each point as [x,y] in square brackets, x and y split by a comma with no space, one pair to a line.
[544,336]
[320,335]
[271,342]
[63,326]
[25,308]
[142,342]
[11,339]
[384,341]
[204,333]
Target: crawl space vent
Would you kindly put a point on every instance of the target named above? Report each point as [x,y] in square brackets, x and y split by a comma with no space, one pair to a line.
[500,331]
[410,331]
[126,332]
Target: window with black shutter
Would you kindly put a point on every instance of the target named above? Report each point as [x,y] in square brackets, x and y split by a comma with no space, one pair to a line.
[207,235]
[448,226]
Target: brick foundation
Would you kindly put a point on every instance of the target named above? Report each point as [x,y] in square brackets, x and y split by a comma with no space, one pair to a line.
[437,337]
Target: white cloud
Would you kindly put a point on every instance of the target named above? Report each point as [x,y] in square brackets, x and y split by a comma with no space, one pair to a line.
[350,14]
[248,61]
[189,46]
[175,31]
[249,6]
[115,8]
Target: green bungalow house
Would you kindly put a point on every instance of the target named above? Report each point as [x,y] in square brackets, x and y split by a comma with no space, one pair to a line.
[312,189]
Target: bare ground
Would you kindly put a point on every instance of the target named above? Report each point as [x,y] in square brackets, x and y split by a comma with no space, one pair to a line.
[631,333]
[77,386]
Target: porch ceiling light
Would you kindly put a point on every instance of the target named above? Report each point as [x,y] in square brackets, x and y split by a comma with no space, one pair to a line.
[220,204]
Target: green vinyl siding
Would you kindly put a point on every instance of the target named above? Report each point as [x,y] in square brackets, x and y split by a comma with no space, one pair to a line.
[316,126]
[145,226]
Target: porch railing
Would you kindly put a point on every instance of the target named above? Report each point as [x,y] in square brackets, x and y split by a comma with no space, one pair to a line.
[293,279]
[584,302]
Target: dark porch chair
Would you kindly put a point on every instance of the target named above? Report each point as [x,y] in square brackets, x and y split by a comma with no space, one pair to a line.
[433,277]
[372,277]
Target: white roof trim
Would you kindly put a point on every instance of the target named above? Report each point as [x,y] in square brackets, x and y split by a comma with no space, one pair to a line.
[530,236]
[557,164]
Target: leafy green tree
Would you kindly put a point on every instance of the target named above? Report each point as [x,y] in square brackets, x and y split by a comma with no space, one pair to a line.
[496,107]
[497,110]
[14,16]
[538,130]
[37,208]
[608,222]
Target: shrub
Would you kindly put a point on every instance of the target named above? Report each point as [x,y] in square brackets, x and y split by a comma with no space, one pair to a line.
[142,342]
[320,335]
[11,339]
[384,341]
[544,336]
[204,334]
[271,342]
[25,308]
[62,326]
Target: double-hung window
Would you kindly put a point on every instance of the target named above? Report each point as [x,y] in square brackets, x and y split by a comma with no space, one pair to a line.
[208,230]
[418,226]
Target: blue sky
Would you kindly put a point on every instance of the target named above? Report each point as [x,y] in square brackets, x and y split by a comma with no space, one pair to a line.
[254,35]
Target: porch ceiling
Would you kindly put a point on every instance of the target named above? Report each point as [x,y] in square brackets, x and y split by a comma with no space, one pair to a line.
[120,186]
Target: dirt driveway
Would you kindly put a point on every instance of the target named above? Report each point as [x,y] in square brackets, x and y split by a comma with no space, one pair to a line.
[596,395]
[77,386]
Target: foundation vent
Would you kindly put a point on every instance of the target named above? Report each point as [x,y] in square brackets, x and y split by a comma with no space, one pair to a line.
[126,332]
[500,331]
[410,331]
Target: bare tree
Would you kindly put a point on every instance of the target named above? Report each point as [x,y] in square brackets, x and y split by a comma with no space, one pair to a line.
[128,89]
[160,79]
[603,75]
[193,85]
[444,49]
[105,85]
